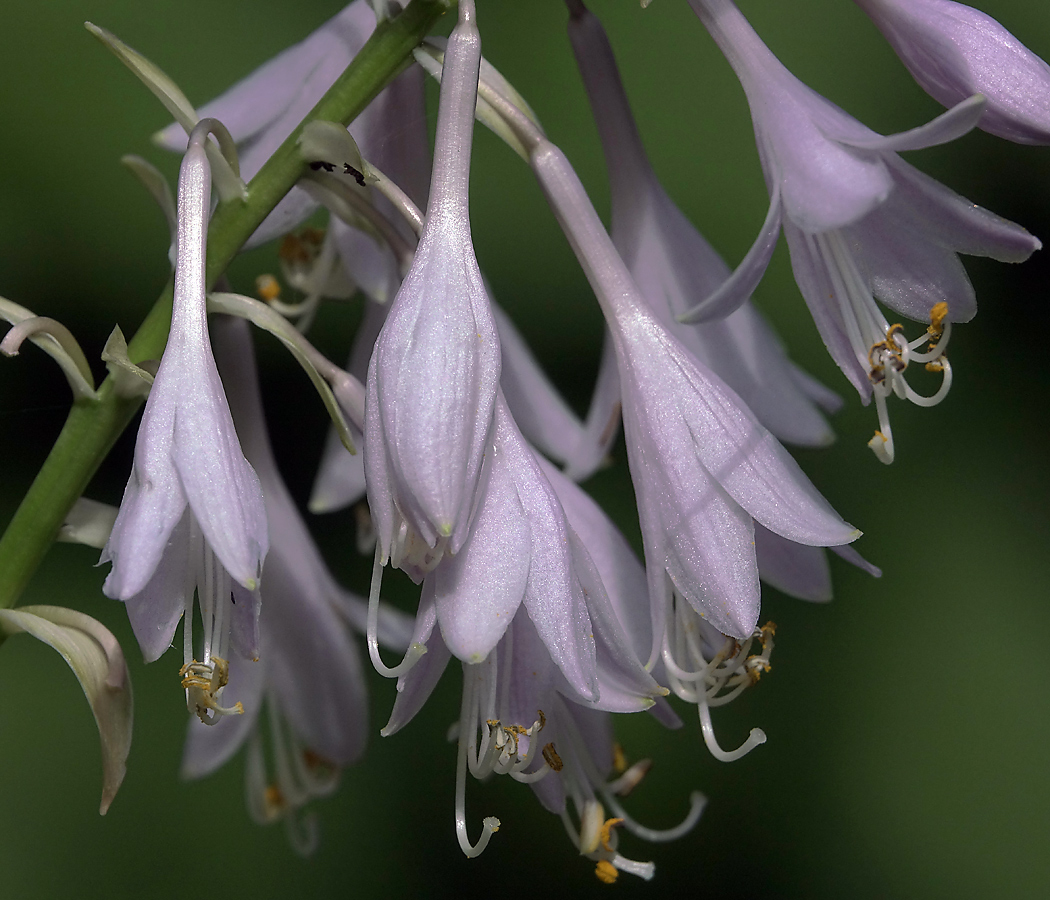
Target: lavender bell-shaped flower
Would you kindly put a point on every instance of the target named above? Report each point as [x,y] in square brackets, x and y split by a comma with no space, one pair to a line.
[704,469]
[954,51]
[263,109]
[435,371]
[503,728]
[192,516]
[860,223]
[703,666]
[309,677]
[674,266]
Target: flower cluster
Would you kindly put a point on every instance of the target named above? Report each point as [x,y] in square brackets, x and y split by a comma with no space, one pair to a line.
[470,461]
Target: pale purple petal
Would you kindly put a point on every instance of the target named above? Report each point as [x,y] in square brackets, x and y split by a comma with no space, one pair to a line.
[793,569]
[341,476]
[621,572]
[254,102]
[221,487]
[907,271]
[849,553]
[152,506]
[816,287]
[313,667]
[245,637]
[554,596]
[155,610]
[956,222]
[478,590]
[732,293]
[745,459]
[948,126]
[623,683]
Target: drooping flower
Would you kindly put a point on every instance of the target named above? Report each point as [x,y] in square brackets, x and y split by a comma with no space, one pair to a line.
[433,377]
[704,469]
[504,727]
[522,551]
[192,516]
[954,51]
[860,223]
[308,677]
[675,267]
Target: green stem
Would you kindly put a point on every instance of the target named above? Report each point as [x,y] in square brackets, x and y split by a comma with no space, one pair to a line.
[94,425]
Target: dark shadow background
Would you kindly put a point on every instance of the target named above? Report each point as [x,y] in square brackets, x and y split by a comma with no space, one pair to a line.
[907,729]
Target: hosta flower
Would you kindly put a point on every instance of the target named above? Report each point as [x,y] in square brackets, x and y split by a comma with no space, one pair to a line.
[504,727]
[704,469]
[860,223]
[309,677]
[523,552]
[433,377]
[263,109]
[675,267]
[954,51]
[192,516]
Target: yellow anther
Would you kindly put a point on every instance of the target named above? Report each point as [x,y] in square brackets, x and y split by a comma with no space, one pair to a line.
[605,835]
[606,872]
[935,366]
[770,628]
[203,682]
[756,665]
[619,759]
[631,778]
[937,316]
[267,288]
[302,247]
[317,763]
[273,798]
[550,756]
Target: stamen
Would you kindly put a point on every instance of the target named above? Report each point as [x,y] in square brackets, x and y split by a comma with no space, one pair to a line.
[550,756]
[756,737]
[267,288]
[606,835]
[372,629]
[630,778]
[203,683]
[606,872]
[490,825]
[592,823]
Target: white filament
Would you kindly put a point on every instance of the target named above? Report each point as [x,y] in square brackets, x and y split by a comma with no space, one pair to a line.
[878,346]
[415,651]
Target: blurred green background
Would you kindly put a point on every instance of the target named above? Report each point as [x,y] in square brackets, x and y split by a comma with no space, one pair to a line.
[907,752]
